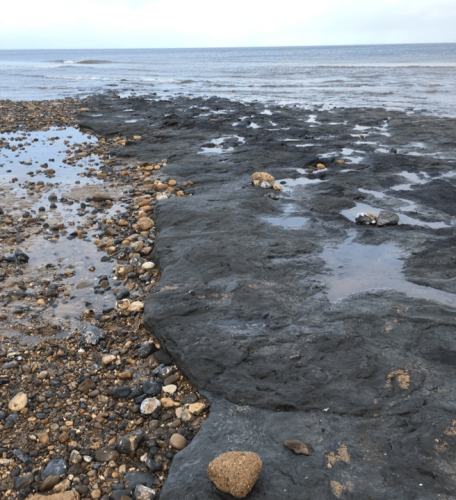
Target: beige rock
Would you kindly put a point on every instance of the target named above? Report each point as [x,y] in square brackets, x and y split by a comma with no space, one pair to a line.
[161,196]
[43,437]
[145,223]
[19,402]
[123,304]
[320,166]
[235,472]
[340,161]
[277,187]
[108,359]
[122,271]
[262,179]
[137,246]
[299,447]
[148,265]
[178,441]
[169,403]
[136,306]
[195,408]
[169,389]
[67,495]
[62,486]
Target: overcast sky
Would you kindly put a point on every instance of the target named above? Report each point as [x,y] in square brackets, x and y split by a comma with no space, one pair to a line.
[66,24]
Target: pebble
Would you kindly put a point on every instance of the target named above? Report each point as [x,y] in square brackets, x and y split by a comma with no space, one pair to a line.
[169,389]
[67,495]
[178,441]
[235,472]
[19,402]
[129,444]
[106,455]
[55,467]
[24,481]
[387,219]
[49,483]
[299,447]
[150,405]
[144,493]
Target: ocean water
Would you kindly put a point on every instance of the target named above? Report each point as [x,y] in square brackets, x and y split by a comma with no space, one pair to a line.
[410,77]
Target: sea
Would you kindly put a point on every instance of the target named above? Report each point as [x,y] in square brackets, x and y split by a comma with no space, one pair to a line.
[411,77]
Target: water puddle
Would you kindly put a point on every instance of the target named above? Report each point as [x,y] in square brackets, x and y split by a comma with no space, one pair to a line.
[290,183]
[360,128]
[287,222]
[34,154]
[46,178]
[414,180]
[218,145]
[365,268]
[351,213]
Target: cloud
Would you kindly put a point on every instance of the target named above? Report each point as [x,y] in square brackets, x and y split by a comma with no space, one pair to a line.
[209,23]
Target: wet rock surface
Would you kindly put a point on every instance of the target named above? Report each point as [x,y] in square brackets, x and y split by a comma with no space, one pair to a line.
[246,306]
[251,310]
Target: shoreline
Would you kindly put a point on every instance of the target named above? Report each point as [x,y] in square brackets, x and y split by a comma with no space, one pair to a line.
[246,302]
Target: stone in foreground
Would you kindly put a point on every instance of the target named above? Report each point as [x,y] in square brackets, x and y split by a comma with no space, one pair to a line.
[235,472]
[299,447]
[67,495]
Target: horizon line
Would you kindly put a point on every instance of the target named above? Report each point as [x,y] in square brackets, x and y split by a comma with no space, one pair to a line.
[238,46]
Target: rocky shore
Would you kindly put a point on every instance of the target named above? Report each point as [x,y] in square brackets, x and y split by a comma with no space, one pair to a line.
[92,406]
[295,323]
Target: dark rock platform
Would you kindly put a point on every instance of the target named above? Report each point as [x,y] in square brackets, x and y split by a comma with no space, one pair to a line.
[282,311]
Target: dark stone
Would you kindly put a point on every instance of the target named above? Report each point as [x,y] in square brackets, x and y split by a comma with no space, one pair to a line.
[123,294]
[55,467]
[87,385]
[121,392]
[120,495]
[24,481]
[92,334]
[22,456]
[163,357]
[134,478]
[151,388]
[129,444]
[49,483]
[387,219]
[146,350]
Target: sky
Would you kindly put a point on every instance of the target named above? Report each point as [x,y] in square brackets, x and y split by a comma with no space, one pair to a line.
[85,24]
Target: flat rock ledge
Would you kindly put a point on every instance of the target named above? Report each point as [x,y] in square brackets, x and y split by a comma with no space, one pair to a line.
[244,303]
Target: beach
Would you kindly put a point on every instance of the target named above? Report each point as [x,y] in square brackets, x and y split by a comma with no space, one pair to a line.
[152,269]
